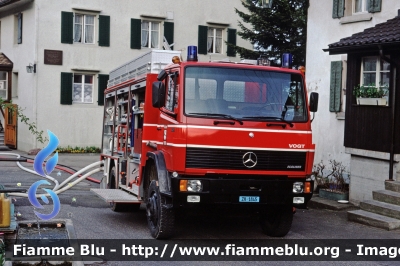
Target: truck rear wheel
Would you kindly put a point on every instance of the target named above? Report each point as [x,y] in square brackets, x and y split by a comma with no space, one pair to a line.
[160,218]
[276,221]
[120,207]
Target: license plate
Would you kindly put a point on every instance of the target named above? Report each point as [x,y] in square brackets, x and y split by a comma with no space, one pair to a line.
[249,199]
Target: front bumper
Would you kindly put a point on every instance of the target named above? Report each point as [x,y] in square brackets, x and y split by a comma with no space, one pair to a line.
[228,191]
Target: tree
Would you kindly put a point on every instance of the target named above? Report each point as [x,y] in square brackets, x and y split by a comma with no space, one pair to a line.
[24,119]
[276,30]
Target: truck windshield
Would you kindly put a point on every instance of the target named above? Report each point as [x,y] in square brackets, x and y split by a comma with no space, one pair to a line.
[244,94]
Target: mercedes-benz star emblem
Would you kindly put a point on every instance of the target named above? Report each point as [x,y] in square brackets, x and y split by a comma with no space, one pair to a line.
[249,159]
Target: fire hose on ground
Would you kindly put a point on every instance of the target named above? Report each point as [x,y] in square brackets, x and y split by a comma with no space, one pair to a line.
[58,188]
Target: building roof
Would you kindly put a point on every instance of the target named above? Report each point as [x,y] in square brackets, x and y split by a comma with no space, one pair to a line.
[4,61]
[6,5]
[386,33]
[7,2]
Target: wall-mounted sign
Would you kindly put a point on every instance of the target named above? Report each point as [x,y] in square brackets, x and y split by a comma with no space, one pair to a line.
[53,57]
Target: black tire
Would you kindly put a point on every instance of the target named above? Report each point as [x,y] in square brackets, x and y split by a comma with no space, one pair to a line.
[120,207]
[160,219]
[276,221]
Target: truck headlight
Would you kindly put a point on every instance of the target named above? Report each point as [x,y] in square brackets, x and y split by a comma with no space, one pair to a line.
[194,186]
[298,187]
[190,185]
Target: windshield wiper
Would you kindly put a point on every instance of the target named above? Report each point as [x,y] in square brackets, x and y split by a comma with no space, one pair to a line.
[270,118]
[219,115]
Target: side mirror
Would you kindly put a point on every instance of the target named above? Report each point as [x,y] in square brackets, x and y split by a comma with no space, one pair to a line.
[162,75]
[158,94]
[313,101]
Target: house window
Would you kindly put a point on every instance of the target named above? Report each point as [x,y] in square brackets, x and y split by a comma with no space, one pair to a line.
[264,3]
[14,82]
[3,85]
[214,41]
[360,6]
[349,11]
[84,28]
[375,71]
[18,29]
[150,34]
[83,89]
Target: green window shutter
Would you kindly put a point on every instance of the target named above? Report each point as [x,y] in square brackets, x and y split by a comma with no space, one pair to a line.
[231,40]
[202,41]
[336,86]
[169,32]
[67,27]
[136,33]
[66,88]
[103,79]
[104,30]
[374,6]
[338,9]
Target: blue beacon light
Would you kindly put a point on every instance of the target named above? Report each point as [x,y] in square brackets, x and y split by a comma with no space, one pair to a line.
[192,53]
[287,60]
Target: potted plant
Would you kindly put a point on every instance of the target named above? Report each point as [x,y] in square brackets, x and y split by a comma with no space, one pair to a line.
[370,94]
[331,185]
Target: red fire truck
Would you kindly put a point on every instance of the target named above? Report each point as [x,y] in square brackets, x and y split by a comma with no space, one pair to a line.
[189,134]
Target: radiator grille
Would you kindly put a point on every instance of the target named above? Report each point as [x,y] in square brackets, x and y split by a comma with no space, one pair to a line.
[233,159]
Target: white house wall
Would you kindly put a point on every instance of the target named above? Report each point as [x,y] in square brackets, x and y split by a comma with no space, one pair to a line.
[21,55]
[323,30]
[81,124]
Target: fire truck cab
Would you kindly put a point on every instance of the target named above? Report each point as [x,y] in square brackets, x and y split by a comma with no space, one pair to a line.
[179,135]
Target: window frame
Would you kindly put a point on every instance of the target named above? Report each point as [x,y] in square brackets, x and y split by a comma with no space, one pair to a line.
[214,37]
[5,86]
[172,92]
[150,33]
[377,71]
[83,25]
[264,4]
[18,27]
[82,99]
[364,7]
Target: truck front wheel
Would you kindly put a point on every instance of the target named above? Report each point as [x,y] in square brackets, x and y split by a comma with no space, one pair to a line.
[160,218]
[276,221]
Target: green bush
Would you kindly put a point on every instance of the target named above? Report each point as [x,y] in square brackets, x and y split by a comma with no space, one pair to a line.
[76,149]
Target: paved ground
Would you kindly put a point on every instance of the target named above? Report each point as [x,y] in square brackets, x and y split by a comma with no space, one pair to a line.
[92,218]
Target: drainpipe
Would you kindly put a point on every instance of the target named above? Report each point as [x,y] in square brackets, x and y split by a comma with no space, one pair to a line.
[393,100]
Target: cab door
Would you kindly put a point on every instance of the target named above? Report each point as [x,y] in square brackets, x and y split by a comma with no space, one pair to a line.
[169,128]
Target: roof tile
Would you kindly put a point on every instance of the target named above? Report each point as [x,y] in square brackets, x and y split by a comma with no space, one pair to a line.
[4,61]
[387,32]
